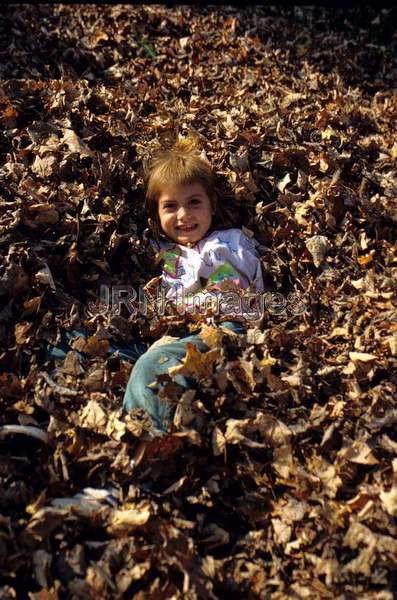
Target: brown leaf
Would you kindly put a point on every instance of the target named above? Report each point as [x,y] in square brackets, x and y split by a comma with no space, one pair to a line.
[358,452]
[215,536]
[318,246]
[22,331]
[124,521]
[93,416]
[218,441]
[389,498]
[94,347]
[32,306]
[9,117]
[40,214]
[10,386]
[75,144]
[44,166]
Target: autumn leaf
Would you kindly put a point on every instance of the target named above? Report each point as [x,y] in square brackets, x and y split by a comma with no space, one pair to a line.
[196,363]
[276,475]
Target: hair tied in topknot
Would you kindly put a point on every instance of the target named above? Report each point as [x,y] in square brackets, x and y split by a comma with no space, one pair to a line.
[186,144]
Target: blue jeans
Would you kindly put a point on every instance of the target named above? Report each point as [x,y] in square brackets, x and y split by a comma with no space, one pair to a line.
[157,362]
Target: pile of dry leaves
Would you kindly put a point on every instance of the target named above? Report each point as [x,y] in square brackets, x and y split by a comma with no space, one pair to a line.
[284,481]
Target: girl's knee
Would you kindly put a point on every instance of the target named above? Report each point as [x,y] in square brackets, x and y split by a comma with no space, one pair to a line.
[144,374]
[147,364]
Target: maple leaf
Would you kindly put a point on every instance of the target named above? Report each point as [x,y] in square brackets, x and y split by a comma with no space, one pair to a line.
[196,363]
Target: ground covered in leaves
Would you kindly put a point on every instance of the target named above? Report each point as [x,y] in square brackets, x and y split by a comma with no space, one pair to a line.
[284,483]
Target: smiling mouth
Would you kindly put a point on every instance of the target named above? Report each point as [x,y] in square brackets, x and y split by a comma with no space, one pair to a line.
[186,228]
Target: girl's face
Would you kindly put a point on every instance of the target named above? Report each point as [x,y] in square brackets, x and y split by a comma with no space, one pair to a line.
[185,212]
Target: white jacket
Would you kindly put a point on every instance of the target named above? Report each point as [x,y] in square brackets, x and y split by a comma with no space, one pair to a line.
[223,255]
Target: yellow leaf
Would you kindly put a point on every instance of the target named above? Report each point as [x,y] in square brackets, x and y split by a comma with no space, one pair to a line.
[96,347]
[364,260]
[199,364]
[327,133]
[211,336]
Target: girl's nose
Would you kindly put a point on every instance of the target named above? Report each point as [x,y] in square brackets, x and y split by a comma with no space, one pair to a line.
[182,212]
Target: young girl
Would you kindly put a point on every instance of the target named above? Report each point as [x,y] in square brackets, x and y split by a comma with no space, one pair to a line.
[197,261]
